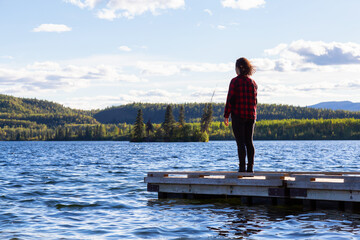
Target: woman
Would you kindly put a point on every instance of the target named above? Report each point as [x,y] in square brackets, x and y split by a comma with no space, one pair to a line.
[241,104]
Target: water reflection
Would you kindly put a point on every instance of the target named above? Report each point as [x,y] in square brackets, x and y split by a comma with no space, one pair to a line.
[231,220]
[96,190]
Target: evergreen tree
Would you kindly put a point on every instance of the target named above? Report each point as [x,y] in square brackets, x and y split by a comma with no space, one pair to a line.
[60,133]
[182,116]
[168,124]
[68,133]
[88,133]
[138,133]
[79,133]
[149,128]
[206,118]
[116,131]
[102,131]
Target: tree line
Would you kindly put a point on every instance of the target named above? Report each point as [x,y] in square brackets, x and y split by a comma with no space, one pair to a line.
[288,129]
[171,130]
[193,111]
[32,119]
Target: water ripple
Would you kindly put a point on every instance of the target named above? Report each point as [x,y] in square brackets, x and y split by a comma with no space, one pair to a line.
[95,190]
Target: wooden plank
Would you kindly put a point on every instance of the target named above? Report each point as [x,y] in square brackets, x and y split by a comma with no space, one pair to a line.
[215,190]
[214,173]
[310,176]
[257,172]
[205,181]
[230,174]
[348,196]
[355,186]
[328,186]
[202,174]
[174,188]
[319,173]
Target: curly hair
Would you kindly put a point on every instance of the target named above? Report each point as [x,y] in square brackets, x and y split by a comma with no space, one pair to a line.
[245,67]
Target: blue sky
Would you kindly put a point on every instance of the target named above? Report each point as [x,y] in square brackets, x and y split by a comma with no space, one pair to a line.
[95,53]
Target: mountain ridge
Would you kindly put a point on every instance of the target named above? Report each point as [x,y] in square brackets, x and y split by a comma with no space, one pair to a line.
[338,105]
[54,114]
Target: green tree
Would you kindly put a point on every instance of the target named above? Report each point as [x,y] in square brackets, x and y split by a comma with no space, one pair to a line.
[206,118]
[79,133]
[204,137]
[168,124]
[149,128]
[182,116]
[88,133]
[138,133]
[102,131]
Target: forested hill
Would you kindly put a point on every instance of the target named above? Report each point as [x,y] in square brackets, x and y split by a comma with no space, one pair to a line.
[193,111]
[10,104]
[26,111]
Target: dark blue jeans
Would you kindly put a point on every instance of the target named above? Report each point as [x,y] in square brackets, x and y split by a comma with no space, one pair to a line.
[243,131]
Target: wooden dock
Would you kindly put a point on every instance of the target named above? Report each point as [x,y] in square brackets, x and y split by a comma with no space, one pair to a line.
[311,189]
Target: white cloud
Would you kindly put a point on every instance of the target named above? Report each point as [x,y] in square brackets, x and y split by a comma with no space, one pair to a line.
[221,27]
[51,76]
[318,52]
[322,53]
[157,95]
[208,11]
[125,48]
[102,101]
[306,88]
[107,14]
[307,72]
[95,102]
[311,56]
[52,28]
[84,4]
[128,8]
[207,67]
[243,4]
[131,8]
[206,94]
[156,68]
[153,93]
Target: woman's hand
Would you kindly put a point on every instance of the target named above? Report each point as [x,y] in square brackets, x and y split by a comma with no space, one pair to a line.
[226,121]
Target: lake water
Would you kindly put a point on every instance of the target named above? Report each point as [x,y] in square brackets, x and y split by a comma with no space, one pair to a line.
[95,190]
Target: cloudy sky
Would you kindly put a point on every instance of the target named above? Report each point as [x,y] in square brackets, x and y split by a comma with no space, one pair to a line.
[91,54]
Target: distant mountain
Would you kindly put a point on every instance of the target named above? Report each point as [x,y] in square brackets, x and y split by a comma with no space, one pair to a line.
[340,105]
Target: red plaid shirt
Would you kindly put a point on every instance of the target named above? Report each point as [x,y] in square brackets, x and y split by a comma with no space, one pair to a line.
[242,98]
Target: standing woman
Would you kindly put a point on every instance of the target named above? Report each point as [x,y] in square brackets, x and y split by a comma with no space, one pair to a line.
[241,104]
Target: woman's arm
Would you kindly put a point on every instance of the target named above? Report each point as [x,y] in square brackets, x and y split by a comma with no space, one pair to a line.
[227,110]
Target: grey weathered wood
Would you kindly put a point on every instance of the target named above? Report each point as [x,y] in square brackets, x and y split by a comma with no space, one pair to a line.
[258,173]
[355,186]
[206,181]
[330,186]
[215,190]
[346,196]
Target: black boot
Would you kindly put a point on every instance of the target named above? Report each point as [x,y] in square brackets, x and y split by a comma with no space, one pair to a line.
[250,168]
[241,168]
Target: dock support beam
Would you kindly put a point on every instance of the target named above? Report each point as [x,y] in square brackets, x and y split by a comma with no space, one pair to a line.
[312,190]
